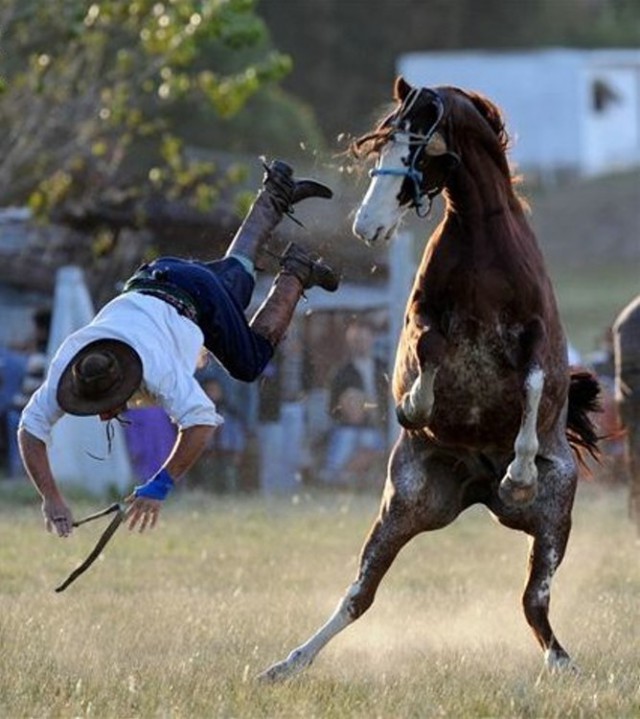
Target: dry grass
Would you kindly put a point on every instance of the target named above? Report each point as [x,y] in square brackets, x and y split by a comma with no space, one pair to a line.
[177,623]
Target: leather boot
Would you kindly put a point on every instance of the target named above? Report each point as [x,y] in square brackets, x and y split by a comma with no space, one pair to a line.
[280,191]
[299,272]
[311,273]
[273,317]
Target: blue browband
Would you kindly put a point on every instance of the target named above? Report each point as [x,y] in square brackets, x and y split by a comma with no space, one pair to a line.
[411,172]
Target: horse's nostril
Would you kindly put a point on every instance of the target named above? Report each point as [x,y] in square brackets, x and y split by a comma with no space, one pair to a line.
[370,238]
[363,231]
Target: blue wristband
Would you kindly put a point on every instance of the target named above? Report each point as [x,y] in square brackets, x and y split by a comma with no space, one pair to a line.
[158,487]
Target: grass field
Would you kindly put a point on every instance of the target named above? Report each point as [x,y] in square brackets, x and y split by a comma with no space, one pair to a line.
[177,623]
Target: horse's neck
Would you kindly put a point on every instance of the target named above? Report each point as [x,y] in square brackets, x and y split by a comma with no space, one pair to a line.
[479,191]
[483,206]
[484,242]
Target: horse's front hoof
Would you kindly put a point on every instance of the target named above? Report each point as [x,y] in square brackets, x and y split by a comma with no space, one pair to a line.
[407,423]
[276,673]
[517,495]
[286,669]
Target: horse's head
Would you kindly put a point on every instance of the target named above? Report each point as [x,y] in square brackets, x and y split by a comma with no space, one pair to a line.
[417,146]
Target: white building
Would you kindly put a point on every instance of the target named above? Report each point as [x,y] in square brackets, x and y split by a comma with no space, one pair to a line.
[575,111]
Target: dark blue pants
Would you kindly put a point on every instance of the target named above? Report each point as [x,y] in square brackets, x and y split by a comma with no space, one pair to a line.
[221,291]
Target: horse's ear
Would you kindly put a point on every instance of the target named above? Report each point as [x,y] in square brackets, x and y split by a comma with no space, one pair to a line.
[401,89]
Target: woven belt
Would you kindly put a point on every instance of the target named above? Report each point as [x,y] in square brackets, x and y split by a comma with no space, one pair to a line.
[167,292]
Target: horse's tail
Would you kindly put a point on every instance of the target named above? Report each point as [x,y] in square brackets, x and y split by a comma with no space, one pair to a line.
[584,400]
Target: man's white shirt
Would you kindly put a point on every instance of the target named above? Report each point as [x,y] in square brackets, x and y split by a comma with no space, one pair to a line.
[169,346]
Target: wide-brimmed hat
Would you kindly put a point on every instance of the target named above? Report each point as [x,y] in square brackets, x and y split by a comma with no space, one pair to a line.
[101,377]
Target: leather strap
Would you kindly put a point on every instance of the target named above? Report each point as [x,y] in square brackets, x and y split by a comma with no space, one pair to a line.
[100,544]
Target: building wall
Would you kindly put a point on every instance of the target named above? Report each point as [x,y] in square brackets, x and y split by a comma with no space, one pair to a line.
[547,99]
[611,125]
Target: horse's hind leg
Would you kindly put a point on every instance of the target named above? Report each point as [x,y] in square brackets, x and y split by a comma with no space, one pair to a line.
[549,527]
[545,555]
[408,507]
[548,523]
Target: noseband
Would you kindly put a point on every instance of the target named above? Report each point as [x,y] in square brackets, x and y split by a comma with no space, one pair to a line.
[411,172]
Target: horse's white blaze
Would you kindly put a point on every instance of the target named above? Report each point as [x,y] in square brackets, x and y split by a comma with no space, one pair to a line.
[380,212]
[523,469]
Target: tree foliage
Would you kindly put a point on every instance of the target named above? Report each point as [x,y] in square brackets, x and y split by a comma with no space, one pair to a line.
[103,100]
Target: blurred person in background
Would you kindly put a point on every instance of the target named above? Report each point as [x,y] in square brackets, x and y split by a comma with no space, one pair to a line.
[35,369]
[357,442]
[218,467]
[13,365]
[150,434]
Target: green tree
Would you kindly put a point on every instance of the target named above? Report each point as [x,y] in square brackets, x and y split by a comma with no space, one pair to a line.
[102,102]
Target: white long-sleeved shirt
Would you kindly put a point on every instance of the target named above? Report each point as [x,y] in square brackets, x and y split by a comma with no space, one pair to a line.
[168,345]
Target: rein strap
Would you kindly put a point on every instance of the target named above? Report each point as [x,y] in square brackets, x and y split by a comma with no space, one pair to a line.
[121,513]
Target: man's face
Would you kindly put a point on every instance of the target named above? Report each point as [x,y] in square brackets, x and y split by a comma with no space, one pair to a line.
[112,413]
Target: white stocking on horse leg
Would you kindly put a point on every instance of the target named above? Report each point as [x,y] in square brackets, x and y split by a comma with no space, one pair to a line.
[302,656]
[415,407]
[391,531]
[381,548]
[546,553]
[520,483]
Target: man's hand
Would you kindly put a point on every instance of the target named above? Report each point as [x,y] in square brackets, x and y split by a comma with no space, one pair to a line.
[57,516]
[142,512]
[146,500]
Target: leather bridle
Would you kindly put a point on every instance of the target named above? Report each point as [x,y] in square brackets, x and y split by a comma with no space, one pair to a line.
[417,141]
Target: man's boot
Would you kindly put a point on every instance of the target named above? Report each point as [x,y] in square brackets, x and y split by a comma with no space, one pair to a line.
[280,191]
[299,272]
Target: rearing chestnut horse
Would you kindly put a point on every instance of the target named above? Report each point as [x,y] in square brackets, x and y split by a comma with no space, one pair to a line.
[488,407]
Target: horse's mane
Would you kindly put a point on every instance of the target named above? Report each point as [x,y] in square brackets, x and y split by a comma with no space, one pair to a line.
[491,134]
[492,115]
[371,143]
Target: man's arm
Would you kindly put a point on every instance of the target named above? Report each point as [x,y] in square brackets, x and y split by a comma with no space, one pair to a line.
[57,514]
[190,444]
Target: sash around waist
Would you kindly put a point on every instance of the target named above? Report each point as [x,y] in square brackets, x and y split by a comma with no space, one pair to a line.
[167,292]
